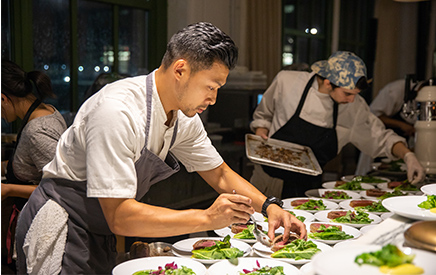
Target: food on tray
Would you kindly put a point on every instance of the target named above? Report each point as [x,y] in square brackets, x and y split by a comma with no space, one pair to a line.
[375,192]
[336,195]
[214,249]
[360,203]
[139,250]
[350,217]
[280,155]
[308,204]
[375,206]
[297,249]
[244,230]
[430,203]
[278,242]
[390,259]
[170,268]
[402,185]
[277,270]
[327,232]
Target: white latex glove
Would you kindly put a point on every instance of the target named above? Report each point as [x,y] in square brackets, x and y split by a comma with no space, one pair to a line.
[415,171]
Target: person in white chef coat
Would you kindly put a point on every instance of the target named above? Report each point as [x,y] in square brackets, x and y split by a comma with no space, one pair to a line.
[323,110]
[128,136]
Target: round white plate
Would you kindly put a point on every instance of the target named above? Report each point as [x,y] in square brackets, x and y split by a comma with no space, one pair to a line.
[132,266]
[365,229]
[407,206]
[328,203]
[331,185]
[346,205]
[265,252]
[340,261]
[347,243]
[225,267]
[347,229]
[227,231]
[307,269]
[351,177]
[183,248]
[384,186]
[352,194]
[322,216]
[386,216]
[429,189]
[309,216]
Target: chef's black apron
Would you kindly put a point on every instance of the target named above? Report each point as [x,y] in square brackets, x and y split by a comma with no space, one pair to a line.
[322,141]
[91,246]
[17,203]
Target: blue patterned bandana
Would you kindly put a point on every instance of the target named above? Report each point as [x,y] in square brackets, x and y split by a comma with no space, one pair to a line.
[343,69]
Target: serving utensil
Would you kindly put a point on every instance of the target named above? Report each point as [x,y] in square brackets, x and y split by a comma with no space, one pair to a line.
[260,236]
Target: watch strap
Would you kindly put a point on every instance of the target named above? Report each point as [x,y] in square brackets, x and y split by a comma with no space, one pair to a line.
[269,201]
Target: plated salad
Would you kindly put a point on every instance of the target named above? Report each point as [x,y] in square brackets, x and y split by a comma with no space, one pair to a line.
[430,203]
[266,270]
[352,217]
[311,205]
[220,250]
[329,233]
[336,195]
[374,207]
[368,179]
[298,249]
[168,269]
[350,185]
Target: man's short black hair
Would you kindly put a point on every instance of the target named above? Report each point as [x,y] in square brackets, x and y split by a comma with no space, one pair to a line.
[201,44]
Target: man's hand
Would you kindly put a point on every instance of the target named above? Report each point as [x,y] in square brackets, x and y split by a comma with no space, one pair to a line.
[262,132]
[415,171]
[278,217]
[228,209]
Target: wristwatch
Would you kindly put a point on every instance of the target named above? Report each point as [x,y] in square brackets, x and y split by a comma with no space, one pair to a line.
[268,201]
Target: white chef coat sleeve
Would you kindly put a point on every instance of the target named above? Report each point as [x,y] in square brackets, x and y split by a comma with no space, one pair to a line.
[110,151]
[263,115]
[366,131]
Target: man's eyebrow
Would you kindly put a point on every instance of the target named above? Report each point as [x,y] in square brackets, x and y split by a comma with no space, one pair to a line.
[219,83]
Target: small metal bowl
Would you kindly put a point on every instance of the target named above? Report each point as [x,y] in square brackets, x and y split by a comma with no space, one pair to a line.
[160,249]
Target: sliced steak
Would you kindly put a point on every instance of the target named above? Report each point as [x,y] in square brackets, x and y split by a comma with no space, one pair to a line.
[299,202]
[336,214]
[203,244]
[314,227]
[339,183]
[375,192]
[239,227]
[278,242]
[360,203]
[394,184]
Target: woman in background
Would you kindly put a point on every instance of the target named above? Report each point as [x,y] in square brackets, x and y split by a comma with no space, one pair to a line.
[41,127]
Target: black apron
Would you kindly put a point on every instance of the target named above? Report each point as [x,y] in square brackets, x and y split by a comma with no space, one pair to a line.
[17,203]
[322,141]
[91,246]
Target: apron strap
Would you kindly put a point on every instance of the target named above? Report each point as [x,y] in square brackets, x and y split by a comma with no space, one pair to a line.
[303,97]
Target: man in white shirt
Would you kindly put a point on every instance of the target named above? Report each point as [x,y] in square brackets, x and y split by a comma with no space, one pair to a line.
[124,139]
[323,110]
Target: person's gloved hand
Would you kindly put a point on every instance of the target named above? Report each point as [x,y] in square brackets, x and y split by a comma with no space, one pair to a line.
[415,171]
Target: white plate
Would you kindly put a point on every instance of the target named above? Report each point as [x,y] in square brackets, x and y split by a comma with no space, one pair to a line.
[328,204]
[309,216]
[340,261]
[331,185]
[384,186]
[386,216]
[227,231]
[132,266]
[347,229]
[322,216]
[307,269]
[365,229]
[351,177]
[407,206]
[350,193]
[429,189]
[265,252]
[346,205]
[185,243]
[225,267]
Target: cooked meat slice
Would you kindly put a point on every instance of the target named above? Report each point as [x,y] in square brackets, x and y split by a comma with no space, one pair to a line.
[339,182]
[239,227]
[278,242]
[359,203]
[336,214]
[375,192]
[139,250]
[394,184]
[314,227]
[203,244]
[299,202]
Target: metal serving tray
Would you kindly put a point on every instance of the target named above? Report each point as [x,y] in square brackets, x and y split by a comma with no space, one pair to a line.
[281,154]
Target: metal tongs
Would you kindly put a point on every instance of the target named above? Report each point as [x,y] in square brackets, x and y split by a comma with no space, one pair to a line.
[260,236]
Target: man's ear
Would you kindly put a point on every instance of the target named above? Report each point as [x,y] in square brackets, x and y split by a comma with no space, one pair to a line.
[180,68]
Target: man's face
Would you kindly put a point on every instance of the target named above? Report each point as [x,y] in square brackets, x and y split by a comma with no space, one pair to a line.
[343,96]
[200,90]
